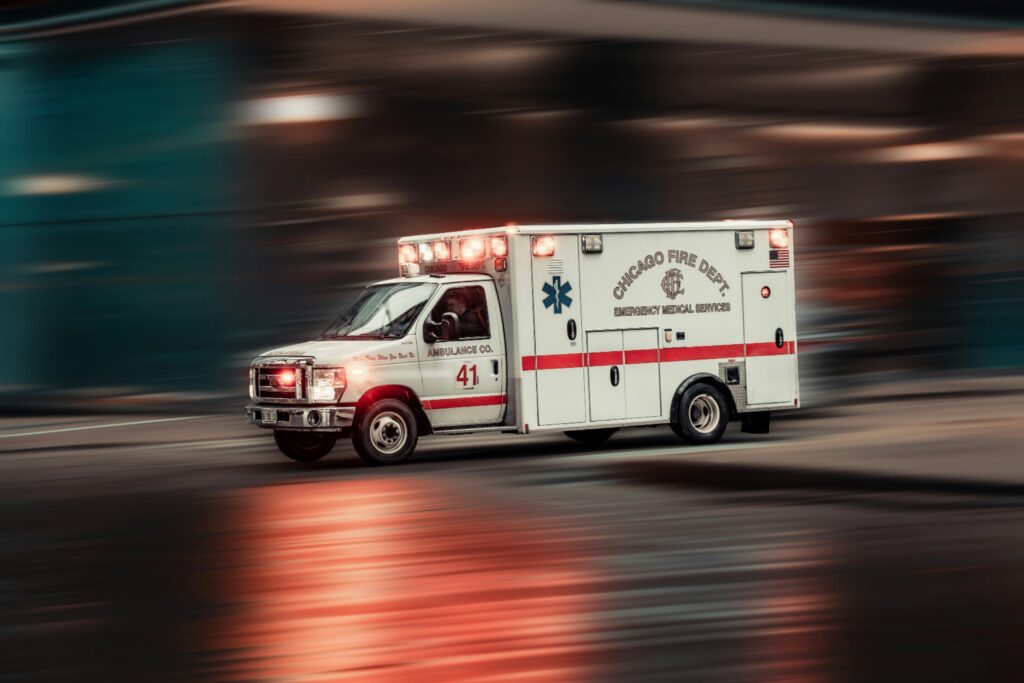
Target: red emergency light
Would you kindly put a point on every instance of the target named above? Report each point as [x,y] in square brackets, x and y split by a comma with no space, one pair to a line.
[778,238]
[544,246]
[499,246]
[407,253]
[443,250]
[286,378]
[471,249]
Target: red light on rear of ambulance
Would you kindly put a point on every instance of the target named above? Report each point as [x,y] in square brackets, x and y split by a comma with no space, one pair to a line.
[778,238]
[499,247]
[471,249]
[286,378]
[407,253]
[766,292]
[544,246]
[443,250]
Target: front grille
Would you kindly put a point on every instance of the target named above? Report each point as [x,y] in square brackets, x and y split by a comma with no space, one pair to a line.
[268,386]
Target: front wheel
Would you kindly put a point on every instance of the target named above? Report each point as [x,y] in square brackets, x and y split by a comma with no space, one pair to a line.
[702,414]
[304,446]
[592,435]
[386,433]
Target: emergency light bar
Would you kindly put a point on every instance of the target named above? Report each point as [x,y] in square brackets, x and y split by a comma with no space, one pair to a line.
[778,238]
[544,246]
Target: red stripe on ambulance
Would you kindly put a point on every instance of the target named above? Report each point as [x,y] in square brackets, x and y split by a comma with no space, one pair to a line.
[668,355]
[464,402]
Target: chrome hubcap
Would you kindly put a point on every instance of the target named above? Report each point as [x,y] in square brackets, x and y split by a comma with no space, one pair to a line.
[388,433]
[704,413]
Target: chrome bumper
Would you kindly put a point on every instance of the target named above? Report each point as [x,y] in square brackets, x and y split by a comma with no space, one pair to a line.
[326,418]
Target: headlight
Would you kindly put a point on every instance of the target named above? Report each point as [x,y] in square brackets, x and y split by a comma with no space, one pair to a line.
[252,383]
[328,384]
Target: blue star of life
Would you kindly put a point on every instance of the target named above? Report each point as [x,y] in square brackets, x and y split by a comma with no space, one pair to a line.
[557,293]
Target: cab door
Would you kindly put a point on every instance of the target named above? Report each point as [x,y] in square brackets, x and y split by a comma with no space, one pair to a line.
[464,374]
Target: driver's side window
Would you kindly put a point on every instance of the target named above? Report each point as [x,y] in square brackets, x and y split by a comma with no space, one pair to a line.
[460,313]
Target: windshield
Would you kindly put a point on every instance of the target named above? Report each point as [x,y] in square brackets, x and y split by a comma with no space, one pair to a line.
[381,312]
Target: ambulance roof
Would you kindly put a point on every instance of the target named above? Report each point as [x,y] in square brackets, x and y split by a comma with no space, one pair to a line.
[441,277]
[607,228]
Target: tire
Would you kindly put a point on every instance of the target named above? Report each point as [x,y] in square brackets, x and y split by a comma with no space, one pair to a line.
[386,433]
[702,414]
[304,446]
[592,435]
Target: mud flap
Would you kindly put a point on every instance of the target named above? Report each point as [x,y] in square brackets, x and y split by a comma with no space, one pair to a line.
[755,423]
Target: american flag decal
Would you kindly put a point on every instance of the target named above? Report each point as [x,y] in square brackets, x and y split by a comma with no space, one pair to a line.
[778,258]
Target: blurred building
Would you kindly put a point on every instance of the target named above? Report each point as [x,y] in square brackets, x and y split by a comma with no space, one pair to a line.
[184,184]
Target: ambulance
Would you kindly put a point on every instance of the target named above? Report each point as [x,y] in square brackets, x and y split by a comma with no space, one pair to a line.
[581,329]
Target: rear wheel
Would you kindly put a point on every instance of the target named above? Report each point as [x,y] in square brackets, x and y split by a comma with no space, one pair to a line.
[592,435]
[304,446]
[702,414]
[386,433]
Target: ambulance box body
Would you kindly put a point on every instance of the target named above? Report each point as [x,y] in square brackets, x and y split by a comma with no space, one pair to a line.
[582,329]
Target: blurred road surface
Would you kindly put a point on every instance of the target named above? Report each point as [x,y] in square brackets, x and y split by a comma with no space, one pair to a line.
[875,541]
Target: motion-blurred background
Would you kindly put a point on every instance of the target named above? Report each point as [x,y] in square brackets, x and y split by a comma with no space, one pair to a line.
[183,184]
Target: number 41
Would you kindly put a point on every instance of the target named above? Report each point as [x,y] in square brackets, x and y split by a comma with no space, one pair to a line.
[463,376]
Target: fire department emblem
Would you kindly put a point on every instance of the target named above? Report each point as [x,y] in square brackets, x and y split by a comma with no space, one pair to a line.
[672,283]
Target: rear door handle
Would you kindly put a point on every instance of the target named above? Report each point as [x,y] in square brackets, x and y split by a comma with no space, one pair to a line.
[614,375]
[494,367]
[780,340]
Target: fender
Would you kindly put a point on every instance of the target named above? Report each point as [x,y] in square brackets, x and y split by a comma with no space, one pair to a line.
[705,378]
[400,392]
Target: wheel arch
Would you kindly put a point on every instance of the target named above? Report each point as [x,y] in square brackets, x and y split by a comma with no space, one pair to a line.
[400,393]
[703,378]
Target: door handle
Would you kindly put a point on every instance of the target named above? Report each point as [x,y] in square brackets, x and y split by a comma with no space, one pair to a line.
[570,329]
[614,375]
[494,367]
[779,338]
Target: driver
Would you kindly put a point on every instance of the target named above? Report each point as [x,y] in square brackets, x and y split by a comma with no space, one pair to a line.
[472,321]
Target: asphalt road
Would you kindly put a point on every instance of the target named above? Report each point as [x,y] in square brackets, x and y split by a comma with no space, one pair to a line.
[878,541]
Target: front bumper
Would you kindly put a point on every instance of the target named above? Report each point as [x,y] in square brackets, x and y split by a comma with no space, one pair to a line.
[326,418]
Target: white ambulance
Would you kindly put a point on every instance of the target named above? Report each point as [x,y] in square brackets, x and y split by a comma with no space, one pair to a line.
[582,329]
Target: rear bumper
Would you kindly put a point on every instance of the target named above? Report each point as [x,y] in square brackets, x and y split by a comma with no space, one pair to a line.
[305,418]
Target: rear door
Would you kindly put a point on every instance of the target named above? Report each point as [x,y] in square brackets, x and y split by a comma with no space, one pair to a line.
[768,336]
[558,344]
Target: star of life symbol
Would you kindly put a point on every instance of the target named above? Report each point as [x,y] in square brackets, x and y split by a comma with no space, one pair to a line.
[557,293]
[672,283]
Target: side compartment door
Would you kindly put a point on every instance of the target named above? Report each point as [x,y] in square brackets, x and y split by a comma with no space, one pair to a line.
[464,375]
[606,373]
[768,338]
[643,373]
[558,343]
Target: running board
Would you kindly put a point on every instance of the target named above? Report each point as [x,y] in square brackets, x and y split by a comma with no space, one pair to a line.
[508,429]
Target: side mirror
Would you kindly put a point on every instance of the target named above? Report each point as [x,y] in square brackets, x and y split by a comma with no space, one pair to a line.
[451,327]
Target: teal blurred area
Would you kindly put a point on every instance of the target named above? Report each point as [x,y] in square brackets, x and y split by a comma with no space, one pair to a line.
[122,284]
[181,189]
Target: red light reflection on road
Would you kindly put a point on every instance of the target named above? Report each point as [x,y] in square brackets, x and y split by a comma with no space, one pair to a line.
[387,580]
